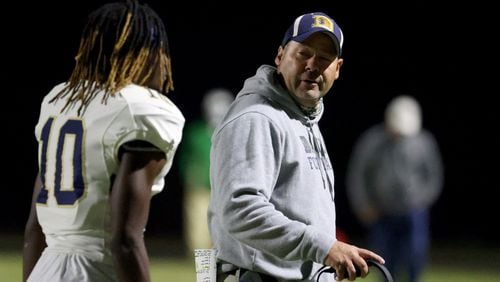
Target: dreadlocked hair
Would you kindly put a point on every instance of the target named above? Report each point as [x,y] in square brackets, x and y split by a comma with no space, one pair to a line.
[122,43]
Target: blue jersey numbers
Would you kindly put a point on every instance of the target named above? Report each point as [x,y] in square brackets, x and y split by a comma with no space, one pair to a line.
[68,183]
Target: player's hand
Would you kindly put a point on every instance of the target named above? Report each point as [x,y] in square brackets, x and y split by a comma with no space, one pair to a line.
[346,258]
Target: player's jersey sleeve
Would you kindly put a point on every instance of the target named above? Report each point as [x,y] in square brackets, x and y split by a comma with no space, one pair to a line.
[149,117]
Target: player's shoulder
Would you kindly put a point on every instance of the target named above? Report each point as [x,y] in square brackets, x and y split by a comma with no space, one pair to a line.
[136,94]
[56,89]
[143,100]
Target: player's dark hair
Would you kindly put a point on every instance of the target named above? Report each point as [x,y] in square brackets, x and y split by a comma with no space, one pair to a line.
[121,43]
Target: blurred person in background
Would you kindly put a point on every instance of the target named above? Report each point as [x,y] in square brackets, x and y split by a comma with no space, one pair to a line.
[194,167]
[394,176]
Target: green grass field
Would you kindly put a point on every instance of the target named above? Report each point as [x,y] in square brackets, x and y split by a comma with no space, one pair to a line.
[447,264]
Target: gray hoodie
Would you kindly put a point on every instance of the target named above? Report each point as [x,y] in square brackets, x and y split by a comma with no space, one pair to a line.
[272,205]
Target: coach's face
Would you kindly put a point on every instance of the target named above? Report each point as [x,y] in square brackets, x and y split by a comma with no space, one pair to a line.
[310,68]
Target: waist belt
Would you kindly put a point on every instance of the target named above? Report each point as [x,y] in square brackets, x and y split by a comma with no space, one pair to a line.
[264,277]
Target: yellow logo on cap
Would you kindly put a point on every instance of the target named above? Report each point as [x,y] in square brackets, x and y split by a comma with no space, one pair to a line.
[323,22]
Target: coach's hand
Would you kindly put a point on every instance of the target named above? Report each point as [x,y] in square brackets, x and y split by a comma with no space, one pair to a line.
[346,258]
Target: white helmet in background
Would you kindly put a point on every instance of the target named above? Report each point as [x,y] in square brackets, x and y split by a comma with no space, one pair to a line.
[215,104]
[403,116]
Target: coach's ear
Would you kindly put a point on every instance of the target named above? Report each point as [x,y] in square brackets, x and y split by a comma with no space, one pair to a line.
[340,62]
[279,55]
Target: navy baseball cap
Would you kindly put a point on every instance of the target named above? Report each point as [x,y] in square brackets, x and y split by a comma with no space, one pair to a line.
[308,24]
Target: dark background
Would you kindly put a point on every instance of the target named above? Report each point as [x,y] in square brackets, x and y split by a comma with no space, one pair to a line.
[440,55]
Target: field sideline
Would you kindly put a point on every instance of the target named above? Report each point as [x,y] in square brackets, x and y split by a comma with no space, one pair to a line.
[447,264]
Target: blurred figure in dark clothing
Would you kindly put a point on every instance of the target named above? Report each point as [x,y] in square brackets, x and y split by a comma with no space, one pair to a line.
[394,177]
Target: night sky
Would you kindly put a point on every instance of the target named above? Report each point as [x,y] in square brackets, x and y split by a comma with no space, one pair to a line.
[439,55]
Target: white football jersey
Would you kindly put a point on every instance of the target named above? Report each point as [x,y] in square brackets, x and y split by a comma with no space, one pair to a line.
[78,157]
